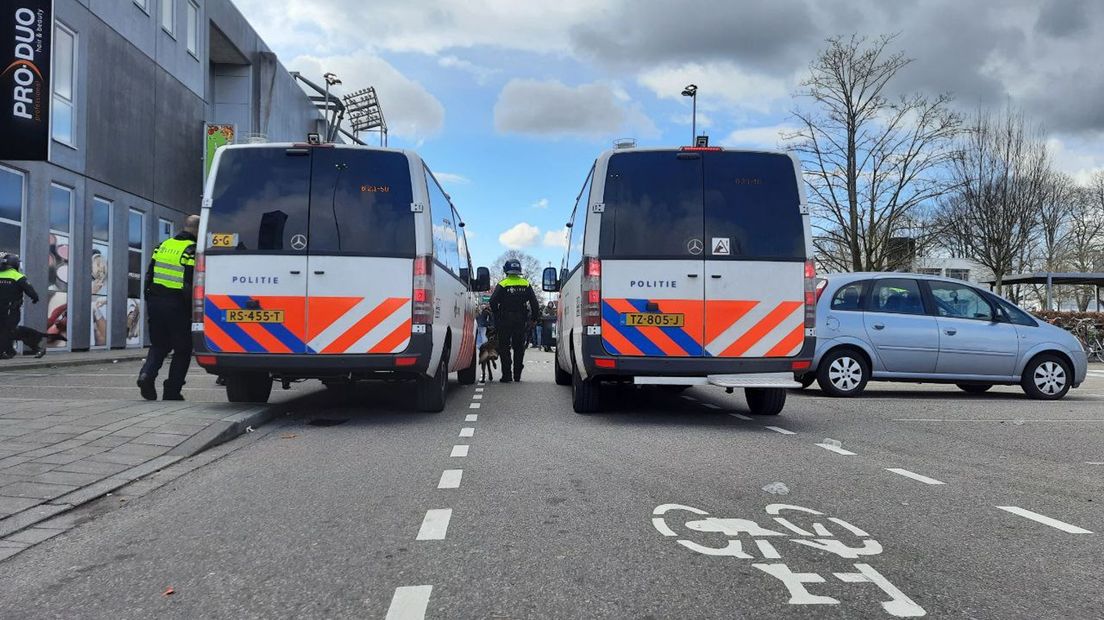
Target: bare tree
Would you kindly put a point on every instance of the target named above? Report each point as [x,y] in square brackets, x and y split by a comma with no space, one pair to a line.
[869,161]
[530,269]
[1002,175]
[1083,246]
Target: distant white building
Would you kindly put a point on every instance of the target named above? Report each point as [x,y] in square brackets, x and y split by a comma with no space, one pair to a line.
[951,267]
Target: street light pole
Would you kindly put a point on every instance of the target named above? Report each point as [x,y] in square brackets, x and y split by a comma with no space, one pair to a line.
[331,80]
[691,91]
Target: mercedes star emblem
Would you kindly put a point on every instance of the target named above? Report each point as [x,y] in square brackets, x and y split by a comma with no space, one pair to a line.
[299,242]
[694,246]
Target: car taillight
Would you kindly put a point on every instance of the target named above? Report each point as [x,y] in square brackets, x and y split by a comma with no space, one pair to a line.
[821,286]
[592,291]
[810,295]
[422,297]
[199,277]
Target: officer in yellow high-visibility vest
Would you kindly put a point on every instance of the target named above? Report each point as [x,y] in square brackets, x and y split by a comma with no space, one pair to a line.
[168,312]
[13,286]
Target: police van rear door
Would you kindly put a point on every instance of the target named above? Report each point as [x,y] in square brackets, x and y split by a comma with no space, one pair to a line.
[755,255]
[361,253]
[650,247]
[256,251]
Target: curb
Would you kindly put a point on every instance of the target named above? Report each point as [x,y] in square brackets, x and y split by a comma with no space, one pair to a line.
[45,362]
[217,433]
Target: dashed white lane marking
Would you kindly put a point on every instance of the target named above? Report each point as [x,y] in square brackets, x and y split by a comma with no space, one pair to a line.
[838,450]
[1045,520]
[473,406]
[409,603]
[450,479]
[467,431]
[1000,420]
[1094,462]
[471,417]
[478,389]
[915,476]
[780,430]
[477,396]
[459,451]
[740,415]
[435,524]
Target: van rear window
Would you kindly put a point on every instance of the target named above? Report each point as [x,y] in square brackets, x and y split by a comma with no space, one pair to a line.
[260,201]
[752,202]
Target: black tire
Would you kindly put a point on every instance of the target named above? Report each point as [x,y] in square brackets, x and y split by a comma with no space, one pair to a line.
[466,376]
[843,373]
[562,376]
[430,397]
[807,379]
[765,401]
[248,387]
[1046,377]
[585,394]
[974,388]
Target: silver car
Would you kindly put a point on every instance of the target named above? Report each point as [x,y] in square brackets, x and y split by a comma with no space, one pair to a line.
[909,327]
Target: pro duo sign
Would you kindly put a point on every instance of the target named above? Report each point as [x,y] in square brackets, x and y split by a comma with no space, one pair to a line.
[25,40]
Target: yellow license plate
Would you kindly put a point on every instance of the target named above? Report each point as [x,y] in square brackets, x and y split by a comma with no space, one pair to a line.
[223,240]
[654,319]
[254,316]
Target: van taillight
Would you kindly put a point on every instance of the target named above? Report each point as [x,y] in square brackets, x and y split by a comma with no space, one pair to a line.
[422,297]
[811,295]
[592,291]
[199,292]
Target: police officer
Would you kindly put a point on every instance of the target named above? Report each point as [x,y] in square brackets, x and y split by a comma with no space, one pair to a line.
[13,286]
[515,308]
[168,311]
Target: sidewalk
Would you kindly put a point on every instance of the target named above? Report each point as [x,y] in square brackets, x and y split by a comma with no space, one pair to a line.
[64,358]
[57,455]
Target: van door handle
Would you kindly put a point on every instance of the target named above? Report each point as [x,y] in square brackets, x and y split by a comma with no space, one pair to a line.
[879,326]
[318,273]
[691,275]
[295,272]
[715,276]
[950,332]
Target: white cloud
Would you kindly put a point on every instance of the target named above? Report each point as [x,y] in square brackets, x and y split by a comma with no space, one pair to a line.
[769,137]
[411,111]
[1078,157]
[521,235]
[705,121]
[541,204]
[482,74]
[720,85]
[551,108]
[557,238]
[451,178]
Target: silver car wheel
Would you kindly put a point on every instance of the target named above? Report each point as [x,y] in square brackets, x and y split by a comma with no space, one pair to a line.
[1050,378]
[845,373]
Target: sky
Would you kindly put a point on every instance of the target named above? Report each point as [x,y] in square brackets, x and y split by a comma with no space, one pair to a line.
[510,101]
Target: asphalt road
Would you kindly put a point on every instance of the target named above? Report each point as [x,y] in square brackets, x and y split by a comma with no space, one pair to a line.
[656,509]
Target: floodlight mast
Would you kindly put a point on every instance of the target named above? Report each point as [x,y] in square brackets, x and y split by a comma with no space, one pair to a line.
[365,113]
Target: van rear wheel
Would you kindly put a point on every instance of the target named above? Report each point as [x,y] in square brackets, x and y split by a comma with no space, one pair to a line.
[431,390]
[765,401]
[251,387]
[562,376]
[585,394]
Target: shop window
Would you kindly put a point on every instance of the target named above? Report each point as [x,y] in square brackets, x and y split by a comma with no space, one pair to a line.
[11,210]
[136,275]
[101,272]
[164,230]
[57,303]
[65,72]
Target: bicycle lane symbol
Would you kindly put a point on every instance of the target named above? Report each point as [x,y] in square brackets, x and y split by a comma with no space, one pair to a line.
[763,544]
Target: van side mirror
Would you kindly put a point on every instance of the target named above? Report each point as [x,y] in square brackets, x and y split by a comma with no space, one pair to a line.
[550,280]
[482,281]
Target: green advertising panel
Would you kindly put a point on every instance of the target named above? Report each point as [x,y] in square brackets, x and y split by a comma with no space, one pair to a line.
[215,136]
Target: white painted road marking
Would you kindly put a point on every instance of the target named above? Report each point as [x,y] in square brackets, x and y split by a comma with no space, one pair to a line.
[409,603]
[1094,462]
[1045,520]
[1001,420]
[915,476]
[478,389]
[780,430]
[471,417]
[477,396]
[473,406]
[838,450]
[459,451]
[740,415]
[467,431]
[450,479]
[435,524]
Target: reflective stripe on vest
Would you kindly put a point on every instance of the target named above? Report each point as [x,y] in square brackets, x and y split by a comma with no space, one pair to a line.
[169,262]
[514,281]
[11,274]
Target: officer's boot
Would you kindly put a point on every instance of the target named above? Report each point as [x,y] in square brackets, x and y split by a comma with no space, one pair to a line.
[147,387]
[40,348]
[171,393]
[517,371]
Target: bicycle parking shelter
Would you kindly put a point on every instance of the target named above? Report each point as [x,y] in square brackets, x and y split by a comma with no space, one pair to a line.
[1055,278]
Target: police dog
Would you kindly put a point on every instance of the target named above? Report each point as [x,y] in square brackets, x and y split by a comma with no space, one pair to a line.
[488,355]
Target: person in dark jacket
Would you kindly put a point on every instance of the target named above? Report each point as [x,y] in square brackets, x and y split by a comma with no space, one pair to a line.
[515,309]
[168,311]
[13,286]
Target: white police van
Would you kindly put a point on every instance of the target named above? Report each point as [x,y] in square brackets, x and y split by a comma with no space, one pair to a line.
[332,262]
[687,266]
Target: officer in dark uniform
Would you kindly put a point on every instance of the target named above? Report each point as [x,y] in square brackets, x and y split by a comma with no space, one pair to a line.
[13,286]
[168,309]
[515,308]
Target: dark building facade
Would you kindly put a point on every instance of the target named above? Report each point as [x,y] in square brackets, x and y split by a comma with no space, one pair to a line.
[133,83]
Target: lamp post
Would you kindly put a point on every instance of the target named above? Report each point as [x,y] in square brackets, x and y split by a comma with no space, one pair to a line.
[331,80]
[691,91]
